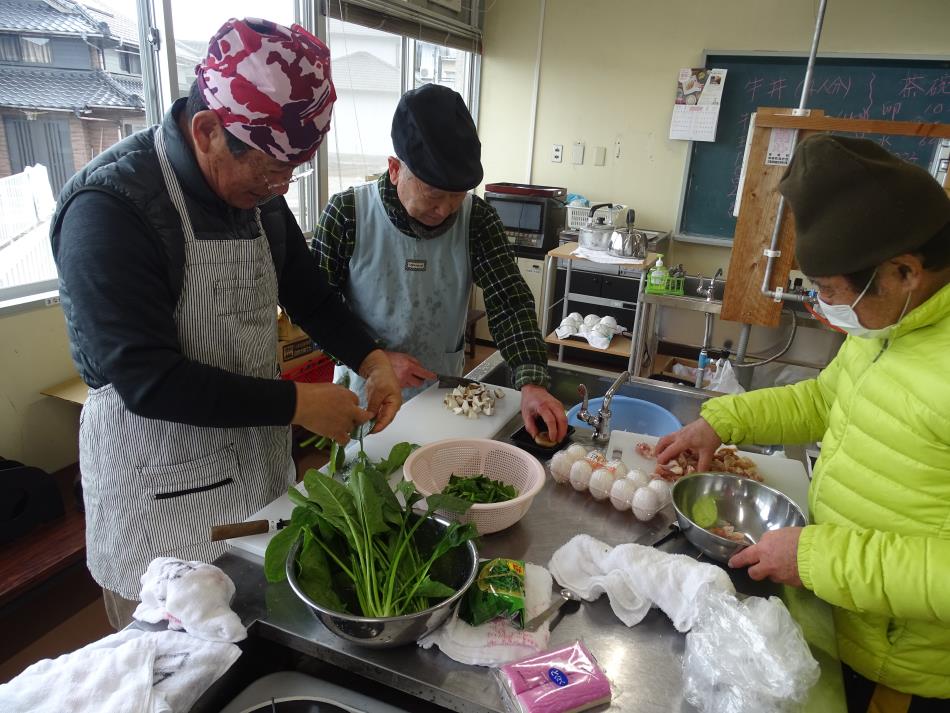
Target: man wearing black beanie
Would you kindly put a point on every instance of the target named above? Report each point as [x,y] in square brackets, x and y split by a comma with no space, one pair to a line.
[405,250]
[873,234]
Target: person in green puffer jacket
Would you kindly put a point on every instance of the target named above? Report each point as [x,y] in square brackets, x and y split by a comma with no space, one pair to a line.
[873,234]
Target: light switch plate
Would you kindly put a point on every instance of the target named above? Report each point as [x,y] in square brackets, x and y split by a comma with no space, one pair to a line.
[600,155]
[577,153]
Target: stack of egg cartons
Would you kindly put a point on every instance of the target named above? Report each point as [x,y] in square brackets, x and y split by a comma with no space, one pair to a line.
[627,489]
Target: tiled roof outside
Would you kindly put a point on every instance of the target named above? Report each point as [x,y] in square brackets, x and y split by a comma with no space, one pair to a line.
[121,27]
[69,90]
[364,71]
[27,16]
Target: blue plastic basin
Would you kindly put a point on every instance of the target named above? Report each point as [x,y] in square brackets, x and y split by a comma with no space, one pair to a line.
[629,414]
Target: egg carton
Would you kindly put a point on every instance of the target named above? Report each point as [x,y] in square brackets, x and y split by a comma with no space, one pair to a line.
[605,479]
[598,331]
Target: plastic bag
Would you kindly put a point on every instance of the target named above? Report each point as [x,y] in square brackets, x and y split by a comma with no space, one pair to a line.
[565,679]
[720,376]
[747,657]
[724,379]
[498,591]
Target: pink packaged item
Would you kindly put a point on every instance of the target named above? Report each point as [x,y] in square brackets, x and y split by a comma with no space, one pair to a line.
[564,680]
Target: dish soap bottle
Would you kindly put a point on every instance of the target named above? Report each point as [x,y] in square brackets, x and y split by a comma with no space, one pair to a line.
[658,275]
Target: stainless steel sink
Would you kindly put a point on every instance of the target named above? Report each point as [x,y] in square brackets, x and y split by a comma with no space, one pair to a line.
[692,299]
[682,402]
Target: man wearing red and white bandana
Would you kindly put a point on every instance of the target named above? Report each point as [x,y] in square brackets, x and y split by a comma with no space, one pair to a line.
[174,248]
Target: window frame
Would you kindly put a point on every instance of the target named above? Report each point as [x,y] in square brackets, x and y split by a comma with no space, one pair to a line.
[157,57]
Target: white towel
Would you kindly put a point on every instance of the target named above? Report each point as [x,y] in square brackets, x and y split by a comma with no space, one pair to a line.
[133,671]
[637,577]
[498,642]
[604,257]
[191,596]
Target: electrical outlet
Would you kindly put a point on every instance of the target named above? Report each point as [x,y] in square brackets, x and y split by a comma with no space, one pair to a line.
[557,153]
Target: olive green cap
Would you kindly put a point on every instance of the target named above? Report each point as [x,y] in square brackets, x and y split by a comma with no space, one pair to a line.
[857,205]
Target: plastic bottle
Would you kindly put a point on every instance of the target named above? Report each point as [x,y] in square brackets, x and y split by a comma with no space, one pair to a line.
[658,274]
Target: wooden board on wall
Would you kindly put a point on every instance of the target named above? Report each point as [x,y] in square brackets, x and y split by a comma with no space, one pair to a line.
[743,300]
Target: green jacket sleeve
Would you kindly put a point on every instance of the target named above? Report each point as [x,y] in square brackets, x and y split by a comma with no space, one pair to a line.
[898,576]
[786,414]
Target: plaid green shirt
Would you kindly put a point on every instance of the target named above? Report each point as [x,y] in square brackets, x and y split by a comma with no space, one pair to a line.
[508,301]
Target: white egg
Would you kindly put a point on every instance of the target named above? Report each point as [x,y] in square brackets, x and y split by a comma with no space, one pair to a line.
[618,467]
[645,503]
[621,492]
[662,489]
[576,451]
[601,481]
[590,320]
[560,466]
[608,321]
[580,475]
[640,478]
[576,317]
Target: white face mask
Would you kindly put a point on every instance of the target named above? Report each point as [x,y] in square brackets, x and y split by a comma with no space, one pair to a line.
[845,318]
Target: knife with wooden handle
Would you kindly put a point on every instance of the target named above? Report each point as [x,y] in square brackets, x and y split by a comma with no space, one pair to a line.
[244,529]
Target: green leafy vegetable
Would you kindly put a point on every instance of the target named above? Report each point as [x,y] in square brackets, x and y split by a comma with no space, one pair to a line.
[479,489]
[359,550]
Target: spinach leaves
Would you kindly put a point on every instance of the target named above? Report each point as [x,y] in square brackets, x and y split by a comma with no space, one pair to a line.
[359,551]
[479,489]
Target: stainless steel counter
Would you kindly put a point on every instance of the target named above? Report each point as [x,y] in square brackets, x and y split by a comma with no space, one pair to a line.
[644,662]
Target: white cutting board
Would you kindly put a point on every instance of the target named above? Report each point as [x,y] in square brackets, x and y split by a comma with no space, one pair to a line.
[779,472]
[423,419]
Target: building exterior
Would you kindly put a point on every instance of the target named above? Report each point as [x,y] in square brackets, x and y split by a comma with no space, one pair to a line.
[70,84]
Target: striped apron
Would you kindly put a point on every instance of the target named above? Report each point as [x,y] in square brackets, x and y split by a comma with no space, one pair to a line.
[411,293]
[154,488]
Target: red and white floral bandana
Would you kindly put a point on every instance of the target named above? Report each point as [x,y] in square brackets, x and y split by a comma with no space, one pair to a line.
[270,86]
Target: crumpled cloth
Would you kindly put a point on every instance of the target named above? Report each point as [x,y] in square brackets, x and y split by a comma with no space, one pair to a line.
[132,671]
[636,578]
[498,641]
[191,596]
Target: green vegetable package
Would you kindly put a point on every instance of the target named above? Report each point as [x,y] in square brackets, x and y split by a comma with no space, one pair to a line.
[498,591]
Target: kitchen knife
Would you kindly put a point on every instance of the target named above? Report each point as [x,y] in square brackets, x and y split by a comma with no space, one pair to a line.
[450,382]
[245,529]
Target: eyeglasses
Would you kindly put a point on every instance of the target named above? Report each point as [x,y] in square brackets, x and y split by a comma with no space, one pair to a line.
[301,171]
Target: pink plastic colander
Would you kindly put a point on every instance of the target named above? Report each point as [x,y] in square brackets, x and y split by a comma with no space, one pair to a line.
[430,466]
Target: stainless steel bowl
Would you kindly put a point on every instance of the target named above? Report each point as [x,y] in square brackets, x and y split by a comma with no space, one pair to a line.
[457,568]
[751,507]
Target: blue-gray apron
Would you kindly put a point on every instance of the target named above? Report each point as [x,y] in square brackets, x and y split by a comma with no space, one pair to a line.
[411,293]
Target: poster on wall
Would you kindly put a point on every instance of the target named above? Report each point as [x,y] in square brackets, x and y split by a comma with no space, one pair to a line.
[696,107]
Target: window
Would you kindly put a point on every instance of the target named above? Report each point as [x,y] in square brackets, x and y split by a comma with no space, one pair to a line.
[367,73]
[35,50]
[110,80]
[371,68]
[130,62]
[52,123]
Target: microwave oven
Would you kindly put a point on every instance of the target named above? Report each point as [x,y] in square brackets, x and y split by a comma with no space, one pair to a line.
[532,215]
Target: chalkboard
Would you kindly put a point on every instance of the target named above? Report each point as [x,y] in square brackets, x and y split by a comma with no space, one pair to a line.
[892,89]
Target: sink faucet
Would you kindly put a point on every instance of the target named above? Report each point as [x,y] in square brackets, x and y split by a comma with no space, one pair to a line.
[601,421]
[707,292]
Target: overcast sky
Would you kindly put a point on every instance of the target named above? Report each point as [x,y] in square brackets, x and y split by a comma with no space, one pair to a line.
[197,20]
